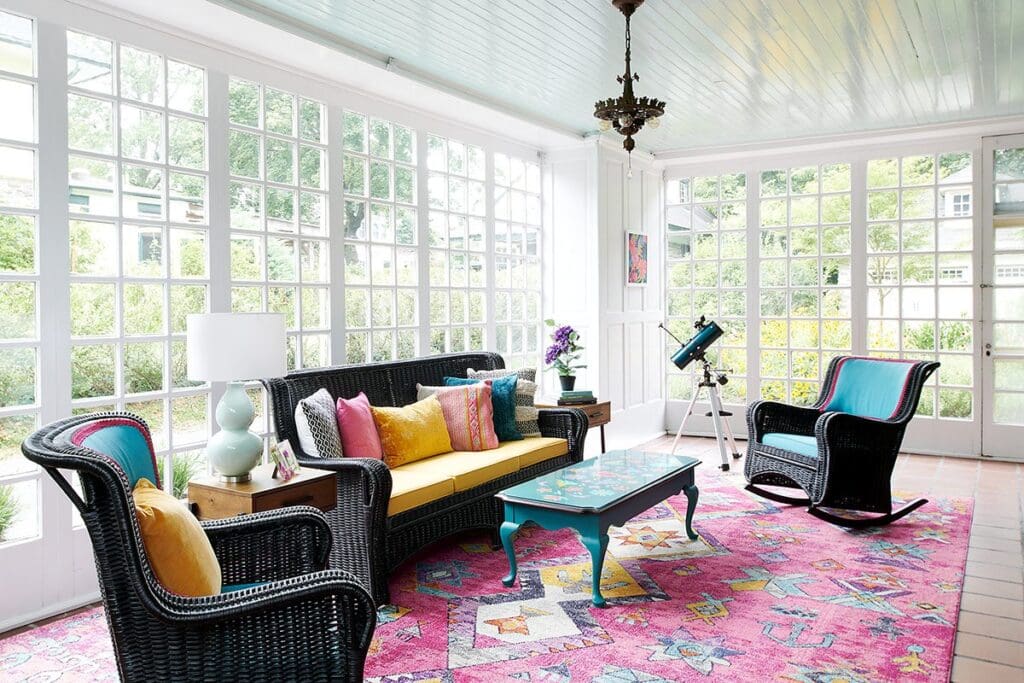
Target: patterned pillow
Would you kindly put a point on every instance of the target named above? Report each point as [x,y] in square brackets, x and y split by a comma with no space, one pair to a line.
[503,399]
[469,416]
[317,425]
[526,389]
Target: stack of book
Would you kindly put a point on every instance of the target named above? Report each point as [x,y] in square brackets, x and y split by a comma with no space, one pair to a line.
[576,398]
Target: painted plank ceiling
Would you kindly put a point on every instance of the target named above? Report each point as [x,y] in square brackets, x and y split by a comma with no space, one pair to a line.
[731,71]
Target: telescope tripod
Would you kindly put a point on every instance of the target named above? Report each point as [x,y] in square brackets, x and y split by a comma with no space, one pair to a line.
[722,429]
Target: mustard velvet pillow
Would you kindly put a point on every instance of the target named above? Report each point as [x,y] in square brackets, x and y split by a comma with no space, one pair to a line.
[412,433]
[176,545]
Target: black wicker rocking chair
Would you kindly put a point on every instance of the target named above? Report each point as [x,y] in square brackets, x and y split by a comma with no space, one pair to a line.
[841,451]
[285,617]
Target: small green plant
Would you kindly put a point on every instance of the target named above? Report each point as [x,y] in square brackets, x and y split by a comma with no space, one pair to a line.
[8,510]
[186,467]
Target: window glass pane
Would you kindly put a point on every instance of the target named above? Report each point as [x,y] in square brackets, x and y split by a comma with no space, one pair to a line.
[16,37]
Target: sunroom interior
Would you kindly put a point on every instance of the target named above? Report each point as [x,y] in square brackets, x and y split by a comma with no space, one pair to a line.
[404,179]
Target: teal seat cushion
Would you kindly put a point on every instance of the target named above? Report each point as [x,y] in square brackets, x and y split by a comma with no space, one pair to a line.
[870,387]
[804,445]
[125,442]
[503,400]
[231,588]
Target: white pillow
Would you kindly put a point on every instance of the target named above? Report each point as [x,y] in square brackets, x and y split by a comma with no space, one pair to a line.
[316,423]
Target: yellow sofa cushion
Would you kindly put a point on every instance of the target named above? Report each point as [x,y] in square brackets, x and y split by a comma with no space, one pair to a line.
[469,468]
[538,449]
[178,549]
[413,432]
[424,481]
[410,489]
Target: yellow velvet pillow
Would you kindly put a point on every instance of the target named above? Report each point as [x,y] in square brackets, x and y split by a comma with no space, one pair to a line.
[178,548]
[412,433]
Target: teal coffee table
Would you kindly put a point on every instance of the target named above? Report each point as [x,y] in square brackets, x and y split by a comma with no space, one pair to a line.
[595,494]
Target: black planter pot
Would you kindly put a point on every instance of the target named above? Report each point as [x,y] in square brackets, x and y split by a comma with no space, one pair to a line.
[567,382]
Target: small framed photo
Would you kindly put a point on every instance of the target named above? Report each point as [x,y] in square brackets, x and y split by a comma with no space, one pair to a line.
[636,259]
[287,465]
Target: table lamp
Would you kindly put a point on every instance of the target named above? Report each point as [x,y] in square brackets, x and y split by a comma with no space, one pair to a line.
[232,347]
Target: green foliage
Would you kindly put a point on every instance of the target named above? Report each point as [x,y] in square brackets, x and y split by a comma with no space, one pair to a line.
[184,468]
[8,510]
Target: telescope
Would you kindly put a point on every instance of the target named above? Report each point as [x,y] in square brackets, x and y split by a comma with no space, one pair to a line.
[695,349]
[707,334]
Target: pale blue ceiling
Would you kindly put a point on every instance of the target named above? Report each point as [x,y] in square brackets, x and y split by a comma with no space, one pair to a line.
[731,71]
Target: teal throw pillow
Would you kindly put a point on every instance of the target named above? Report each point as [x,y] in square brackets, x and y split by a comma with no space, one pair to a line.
[503,399]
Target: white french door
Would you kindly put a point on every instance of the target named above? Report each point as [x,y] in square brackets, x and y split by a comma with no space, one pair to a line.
[1002,345]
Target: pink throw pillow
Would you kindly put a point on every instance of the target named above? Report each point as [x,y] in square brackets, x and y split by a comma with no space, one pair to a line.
[469,416]
[359,438]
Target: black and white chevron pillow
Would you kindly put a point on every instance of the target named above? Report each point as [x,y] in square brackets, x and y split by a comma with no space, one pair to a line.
[526,389]
[317,425]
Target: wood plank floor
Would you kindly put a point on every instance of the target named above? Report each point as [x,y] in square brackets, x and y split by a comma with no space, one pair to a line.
[990,633]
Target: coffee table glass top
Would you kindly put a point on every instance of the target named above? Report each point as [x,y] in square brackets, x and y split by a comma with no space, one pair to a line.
[600,482]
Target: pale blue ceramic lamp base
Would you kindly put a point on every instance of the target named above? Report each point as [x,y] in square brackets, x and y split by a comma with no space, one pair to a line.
[234,450]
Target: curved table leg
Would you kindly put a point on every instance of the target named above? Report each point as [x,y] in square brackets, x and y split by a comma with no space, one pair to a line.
[506,531]
[691,504]
[597,547]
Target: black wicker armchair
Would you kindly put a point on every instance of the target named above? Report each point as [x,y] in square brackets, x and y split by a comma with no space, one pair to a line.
[840,451]
[287,618]
[367,541]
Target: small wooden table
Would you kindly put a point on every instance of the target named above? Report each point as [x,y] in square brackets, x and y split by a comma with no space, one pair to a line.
[592,495]
[211,498]
[598,414]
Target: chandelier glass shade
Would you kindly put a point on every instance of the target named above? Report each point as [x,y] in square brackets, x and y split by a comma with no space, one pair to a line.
[627,113]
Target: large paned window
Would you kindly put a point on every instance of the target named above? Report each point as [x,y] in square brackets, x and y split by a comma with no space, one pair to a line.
[278,196]
[139,238]
[804,278]
[381,255]
[19,279]
[706,250]
[517,249]
[457,198]
[919,272]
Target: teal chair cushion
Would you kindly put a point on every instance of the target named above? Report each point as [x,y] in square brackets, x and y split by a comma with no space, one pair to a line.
[125,442]
[869,387]
[804,445]
[231,588]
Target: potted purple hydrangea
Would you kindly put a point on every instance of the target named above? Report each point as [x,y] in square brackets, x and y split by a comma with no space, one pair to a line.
[564,353]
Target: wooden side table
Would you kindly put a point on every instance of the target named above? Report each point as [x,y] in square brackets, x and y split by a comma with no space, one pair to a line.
[598,414]
[211,498]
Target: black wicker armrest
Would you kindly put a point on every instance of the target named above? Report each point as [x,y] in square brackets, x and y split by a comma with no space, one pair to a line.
[856,436]
[268,546]
[766,417]
[359,521]
[336,612]
[565,423]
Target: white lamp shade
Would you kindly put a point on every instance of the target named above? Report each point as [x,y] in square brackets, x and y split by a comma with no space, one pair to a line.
[228,347]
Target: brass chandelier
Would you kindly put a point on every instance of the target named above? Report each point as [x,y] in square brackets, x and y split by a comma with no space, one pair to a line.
[628,114]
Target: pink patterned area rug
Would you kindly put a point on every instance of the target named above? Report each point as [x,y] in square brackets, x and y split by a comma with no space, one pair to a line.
[767,593]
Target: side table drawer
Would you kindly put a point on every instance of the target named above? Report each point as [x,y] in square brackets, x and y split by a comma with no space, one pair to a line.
[319,493]
[598,414]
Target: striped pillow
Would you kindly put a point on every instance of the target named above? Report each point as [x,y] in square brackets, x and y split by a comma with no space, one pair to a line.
[469,416]
[526,389]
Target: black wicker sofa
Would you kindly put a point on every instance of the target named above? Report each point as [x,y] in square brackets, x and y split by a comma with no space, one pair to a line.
[367,542]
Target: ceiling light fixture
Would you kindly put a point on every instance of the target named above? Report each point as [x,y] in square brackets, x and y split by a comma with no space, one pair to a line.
[627,113]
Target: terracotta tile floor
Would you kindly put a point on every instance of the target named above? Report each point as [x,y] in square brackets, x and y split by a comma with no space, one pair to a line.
[990,634]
